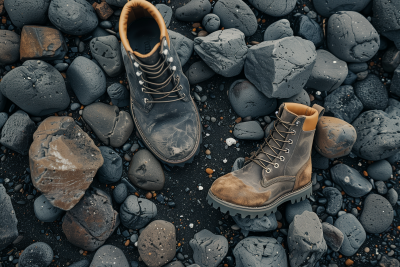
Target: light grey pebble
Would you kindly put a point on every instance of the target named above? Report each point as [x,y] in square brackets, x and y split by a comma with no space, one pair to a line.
[211,23]
[278,30]
[45,211]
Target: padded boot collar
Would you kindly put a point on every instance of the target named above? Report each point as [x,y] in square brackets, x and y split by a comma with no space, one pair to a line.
[134,10]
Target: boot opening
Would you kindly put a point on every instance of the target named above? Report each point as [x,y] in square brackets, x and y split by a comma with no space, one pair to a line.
[143,35]
[311,114]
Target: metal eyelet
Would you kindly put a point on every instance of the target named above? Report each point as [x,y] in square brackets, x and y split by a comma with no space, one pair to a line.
[287,151]
[282,158]
[138,73]
[145,100]
[142,89]
[141,82]
[136,64]
[183,95]
[268,170]
[297,123]
[290,141]
[276,165]
[171,59]
[294,132]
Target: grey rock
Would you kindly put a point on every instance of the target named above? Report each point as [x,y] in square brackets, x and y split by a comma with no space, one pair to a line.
[319,161]
[211,22]
[112,126]
[263,224]
[9,45]
[111,171]
[45,211]
[344,104]
[36,255]
[351,37]
[8,226]
[223,51]
[195,10]
[333,236]
[350,180]
[61,67]
[119,95]
[27,12]
[145,171]
[166,12]
[182,45]
[380,170]
[118,3]
[246,100]
[377,214]
[377,135]
[136,213]
[109,255]
[249,130]
[281,68]
[372,93]
[328,73]
[274,8]
[301,98]
[392,196]
[296,209]
[362,75]
[120,193]
[17,133]
[175,264]
[391,59]
[353,233]
[350,78]
[236,14]
[394,158]
[105,24]
[36,87]
[278,30]
[3,119]
[326,8]
[106,50]
[335,200]
[2,101]
[99,32]
[395,86]
[199,72]
[87,80]
[259,251]
[358,67]
[387,19]
[389,262]
[75,17]
[82,263]
[208,249]
[305,240]
[381,187]
[238,164]
[308,29]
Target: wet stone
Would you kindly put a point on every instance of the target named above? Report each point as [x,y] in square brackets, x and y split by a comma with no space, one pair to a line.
[392,196]
[182,45]
[136,213]
[119,95]
[109,255]
[335,200]
[8,227]
[308,29]
[274,8]
[353,233]
[333,236]
[9,45]
[27,12]
[301,98]
[106,50]
[211,22]
[82,263]
[350,180]
[377,214]
[208,249]
[380,170]
[395,86]
[36,254]
[120,193]
[103,10]
[326,8]
[380,186]
[278,30]
[387,19]
[391,59]
[111,170]
[358,67]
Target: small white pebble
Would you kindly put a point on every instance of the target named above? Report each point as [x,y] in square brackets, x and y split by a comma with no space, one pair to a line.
[191,225]
[225,161]
[318,93]
[360,164]
[230,141]
[200,188]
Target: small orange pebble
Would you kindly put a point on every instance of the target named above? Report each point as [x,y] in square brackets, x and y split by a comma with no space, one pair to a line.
[221,118]
[4,20]
[112,187]
[372,63]
[179,244]
[263,21]
[64,75]
[279,225]
[225,265]
[365,173]
[349,262]
[398,227]
[343,193]
[121,81]
[154,194]
[238,120]
[136,194]
[210,176]
[209,171]
[84,253]
[127,243]
[340,256]
[358,208]
[149,195]
[82,106]
[194,29]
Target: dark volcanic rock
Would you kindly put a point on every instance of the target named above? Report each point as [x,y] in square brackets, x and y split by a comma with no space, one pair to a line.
[395,86]
[36,255]
[195,10]
[9,47]
[208,249]
[82,263]
[109,255]
[377,135]
[308,29]
[333,236]
[120,193]
[136,213]
[259,251]
[8,226]
[263,224]
[182,45]
[76,17]
[387,19]
[297,209]
[278,30]
[27,12]
[389,262]
[45,211]
[358,67]
[17,132]
[351,37]
[350,180]
[326,8]
[381,187]
[248,130]
[106,50]
[335,200]
[91,221]
[199,72]
[119,95]
[353,233]
[377,214]
[380,170]
[211,22]
[391,59]
[118,3]
[274,8]
[111,170]
[36,87]
[301,98]
[281,68]
[372,93]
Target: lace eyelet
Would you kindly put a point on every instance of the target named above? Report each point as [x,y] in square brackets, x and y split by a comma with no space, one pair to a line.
[138,73]
[136,64]
[173,68]
[183,95]
[165,52]
[282,158]
[294,132]
[290,141]
[276,165]
[142,89]
[297,123]
[171,59]
[268,170]
[287,151]
[141,82]
[165,43]
[145,100]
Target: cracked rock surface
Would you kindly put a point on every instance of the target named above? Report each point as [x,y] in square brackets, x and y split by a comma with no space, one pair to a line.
[333,236]
[335,200]
[236,14]
[111,170]
[156,243]
[353,233]
[263,224]
[275,8]
[327,8]
[208,249]
[36,87]
[350,180]
[91,221]
[106,50]
[281,68]
[223,51]
[305,240]
[377,215]
[136,213]
[9,45]
[112,126]
[351,37]
[63,161]
[23,12]
[259,251]
[386,19]
[372,93]
[211,22]
[8,226]
[182,45]
[109,255]
[278,30]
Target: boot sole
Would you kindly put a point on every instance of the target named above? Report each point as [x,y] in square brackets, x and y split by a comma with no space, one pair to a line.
[254,212]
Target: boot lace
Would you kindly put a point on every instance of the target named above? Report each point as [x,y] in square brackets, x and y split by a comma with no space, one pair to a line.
[275,149]
[156,71]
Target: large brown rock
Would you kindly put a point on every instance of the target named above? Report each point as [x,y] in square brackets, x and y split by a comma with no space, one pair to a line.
[91,221]
[103,10]
[63,161]
[39,42]
[334,137]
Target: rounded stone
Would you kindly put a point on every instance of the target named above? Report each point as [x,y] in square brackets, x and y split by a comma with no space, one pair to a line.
[392,196]
[278,30]
[75,17]
[308,29]
[350,180]
[156,244]
[199,72]
[359,46]
[236,14]
[249,130]
[333,236]
[353,233]
[45,211]
[372,93]
[335,200]
[246,100]
[36,254]
[301,98]
[109,255]
[358,67]
[377,214]
[211,22]
[119,95]
[380,170]
[120,193]
[145,171]
[297,209]
[208,249]
[182,45]
[136,213]
[36,87]
[9,47]
[3,119]
[27,12]
[111,171]
[326,8]
[195,10]
[391,59]
[82,263]
[274,8]
[106,50]
[381,187]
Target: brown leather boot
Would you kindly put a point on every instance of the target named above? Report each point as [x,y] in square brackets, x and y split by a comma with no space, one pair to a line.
[280,171]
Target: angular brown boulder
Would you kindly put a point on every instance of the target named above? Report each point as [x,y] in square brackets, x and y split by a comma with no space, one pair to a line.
[91,221]
[103,10]
[63,161]
[334,137]
[39,42]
